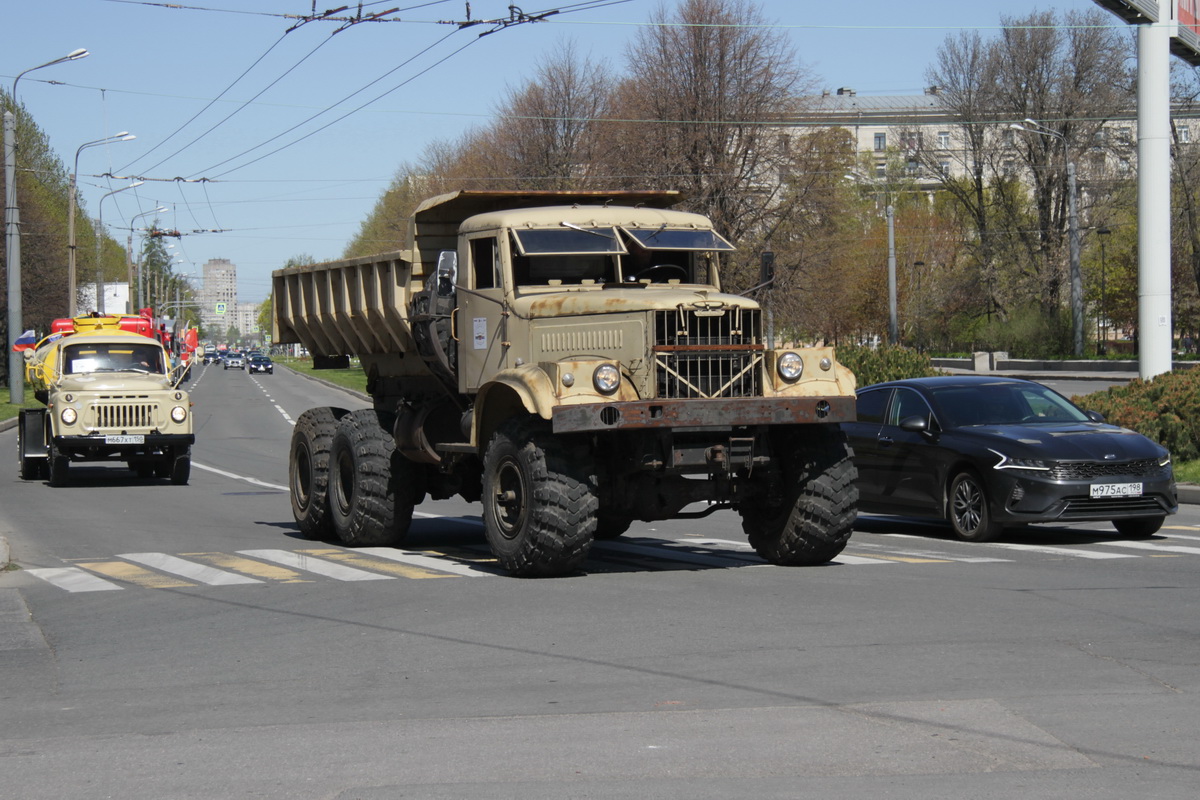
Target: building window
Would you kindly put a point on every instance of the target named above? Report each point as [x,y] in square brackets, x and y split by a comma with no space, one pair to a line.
[881,170]
[880,141]
[912,166]
[944,168]
[944,140]
[1184,133]
[910,140]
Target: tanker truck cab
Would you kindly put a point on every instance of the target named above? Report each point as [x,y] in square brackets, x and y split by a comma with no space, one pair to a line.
[110,396]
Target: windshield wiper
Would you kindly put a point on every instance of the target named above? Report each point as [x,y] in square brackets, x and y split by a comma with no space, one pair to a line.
[575,227]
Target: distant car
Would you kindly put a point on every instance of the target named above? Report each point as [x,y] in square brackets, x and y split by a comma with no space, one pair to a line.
[210,357]
[235,361]
[986,452]
[260,364]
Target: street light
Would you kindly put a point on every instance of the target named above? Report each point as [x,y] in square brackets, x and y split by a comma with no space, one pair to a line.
[1072,226]
[1102,318]
[99,235]
[12,230]
[123,136]
[129,257]
[890,212]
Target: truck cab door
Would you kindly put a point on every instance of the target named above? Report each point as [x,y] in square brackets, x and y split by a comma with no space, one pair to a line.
[481,316]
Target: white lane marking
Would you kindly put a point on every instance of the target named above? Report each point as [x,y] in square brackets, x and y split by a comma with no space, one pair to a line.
[420,560]
[905,551]
[320,566]
[673,551]
[73,579]
[1170,548]
[188,569]
[237,477]
[1057,551]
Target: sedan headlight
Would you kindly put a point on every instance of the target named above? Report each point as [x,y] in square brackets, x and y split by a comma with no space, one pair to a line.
[1035,464]
[178,413]
[790,366]
[606,379]
[68,416]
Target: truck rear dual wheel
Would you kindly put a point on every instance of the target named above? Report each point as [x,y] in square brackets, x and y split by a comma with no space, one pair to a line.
[539,500]
[308,470]
[372,487]
[811,521]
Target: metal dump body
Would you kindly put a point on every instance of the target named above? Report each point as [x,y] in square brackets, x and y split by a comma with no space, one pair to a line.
[359,306]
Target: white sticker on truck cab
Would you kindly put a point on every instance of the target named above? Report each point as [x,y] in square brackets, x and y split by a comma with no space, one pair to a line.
[480,333]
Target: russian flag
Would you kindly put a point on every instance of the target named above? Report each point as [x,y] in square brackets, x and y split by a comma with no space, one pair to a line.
[26,341]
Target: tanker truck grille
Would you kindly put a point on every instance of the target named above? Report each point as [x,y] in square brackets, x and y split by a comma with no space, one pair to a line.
[123,416]
[708,353]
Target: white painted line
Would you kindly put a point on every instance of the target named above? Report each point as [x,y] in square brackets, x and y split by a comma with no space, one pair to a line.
[429,562]
[188,569]
[859,561]
[1169,548]
[905,551]
[320,566]
[1070,552]
[667,552]
[73,579]
[237,477]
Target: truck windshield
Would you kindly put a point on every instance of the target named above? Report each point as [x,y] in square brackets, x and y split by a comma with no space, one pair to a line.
[81,359]
[567,240]
[676,239]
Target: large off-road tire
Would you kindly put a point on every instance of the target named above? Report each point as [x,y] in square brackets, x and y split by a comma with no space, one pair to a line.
[58,467]
[1139,527]
[811,519]
[372,487]
[181,466]
[308,470]
[968,510]
[539,500]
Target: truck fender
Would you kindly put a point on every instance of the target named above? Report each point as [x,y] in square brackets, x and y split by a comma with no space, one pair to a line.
[521,390]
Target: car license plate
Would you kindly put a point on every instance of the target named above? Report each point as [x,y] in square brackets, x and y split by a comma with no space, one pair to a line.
[1116,490]
[135,438]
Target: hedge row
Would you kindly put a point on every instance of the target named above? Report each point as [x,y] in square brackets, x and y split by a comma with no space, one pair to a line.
[1165,409]
[885,363]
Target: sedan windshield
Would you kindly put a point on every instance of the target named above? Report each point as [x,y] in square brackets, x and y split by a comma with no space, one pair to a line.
[1004,404]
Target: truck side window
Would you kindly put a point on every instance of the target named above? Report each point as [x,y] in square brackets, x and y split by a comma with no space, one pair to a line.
[485,262]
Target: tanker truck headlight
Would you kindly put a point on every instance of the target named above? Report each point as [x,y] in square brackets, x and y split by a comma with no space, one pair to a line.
[68,416]
[606,379]
[179,413]
[790,366]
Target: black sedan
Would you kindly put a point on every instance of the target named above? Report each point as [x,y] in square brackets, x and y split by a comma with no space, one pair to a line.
[988,452]
[260,364]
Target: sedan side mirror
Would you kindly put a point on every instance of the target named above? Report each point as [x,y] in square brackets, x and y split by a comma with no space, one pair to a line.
[1094,416]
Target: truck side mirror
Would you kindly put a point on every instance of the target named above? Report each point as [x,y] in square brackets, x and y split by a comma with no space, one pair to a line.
[447,273]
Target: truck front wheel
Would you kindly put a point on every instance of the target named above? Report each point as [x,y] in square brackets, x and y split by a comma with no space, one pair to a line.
[181,466]
[539,501]
[810,520]
[308,470]
[372,487]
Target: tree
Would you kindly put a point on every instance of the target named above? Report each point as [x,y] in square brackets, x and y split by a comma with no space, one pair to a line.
[695,113]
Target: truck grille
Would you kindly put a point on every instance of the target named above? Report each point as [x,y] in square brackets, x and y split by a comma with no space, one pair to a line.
[124,416]
[703,353]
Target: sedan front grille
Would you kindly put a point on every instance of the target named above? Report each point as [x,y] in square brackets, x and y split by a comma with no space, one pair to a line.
[707,353]
[1091,470]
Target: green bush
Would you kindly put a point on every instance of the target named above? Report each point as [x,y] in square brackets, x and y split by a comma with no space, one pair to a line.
[885,363]
[1165,409]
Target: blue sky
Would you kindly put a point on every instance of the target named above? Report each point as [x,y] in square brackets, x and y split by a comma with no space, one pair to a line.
[168,76]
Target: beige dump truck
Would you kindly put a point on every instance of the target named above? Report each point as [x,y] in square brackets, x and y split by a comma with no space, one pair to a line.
[570,360]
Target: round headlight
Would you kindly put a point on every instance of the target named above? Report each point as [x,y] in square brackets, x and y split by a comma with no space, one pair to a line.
[69,415]
[790,366]
[179,413]
[606,379]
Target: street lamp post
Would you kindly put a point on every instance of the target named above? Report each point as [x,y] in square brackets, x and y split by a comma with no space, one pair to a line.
[890,213]
[12,228]
[1033,126]
[129,256]
[99,238]
[72,287]
[1102,317]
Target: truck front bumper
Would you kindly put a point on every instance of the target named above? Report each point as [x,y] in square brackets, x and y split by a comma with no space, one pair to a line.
[682,414]
[102,447]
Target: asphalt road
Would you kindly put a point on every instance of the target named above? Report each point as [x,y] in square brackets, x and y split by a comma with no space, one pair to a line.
[182,642]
